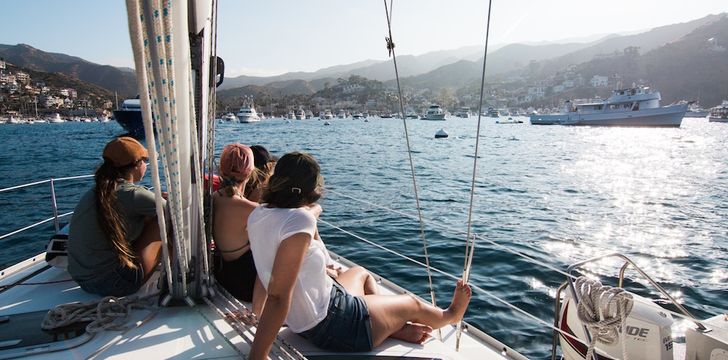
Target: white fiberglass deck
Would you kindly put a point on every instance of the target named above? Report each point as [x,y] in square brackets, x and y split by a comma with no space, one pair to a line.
[184,332]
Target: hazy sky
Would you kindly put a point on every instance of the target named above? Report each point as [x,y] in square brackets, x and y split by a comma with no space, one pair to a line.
[266,37]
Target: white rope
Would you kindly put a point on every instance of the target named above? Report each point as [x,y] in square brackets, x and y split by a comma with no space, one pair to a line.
[137,42]
[603,310]
[109,313]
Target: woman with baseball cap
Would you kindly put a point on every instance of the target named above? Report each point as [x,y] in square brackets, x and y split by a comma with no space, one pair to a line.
[114,240]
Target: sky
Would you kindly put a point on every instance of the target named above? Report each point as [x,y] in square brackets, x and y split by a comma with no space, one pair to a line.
[269,37]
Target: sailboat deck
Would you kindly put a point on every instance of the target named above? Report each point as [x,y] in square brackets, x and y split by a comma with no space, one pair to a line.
[181,331]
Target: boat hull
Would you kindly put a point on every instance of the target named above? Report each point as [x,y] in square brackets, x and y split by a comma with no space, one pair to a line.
[717,119]
[131,121]
[248,119]
[669,116]
[433,117]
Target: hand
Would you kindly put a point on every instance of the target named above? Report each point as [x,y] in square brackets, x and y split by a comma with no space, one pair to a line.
[333,271]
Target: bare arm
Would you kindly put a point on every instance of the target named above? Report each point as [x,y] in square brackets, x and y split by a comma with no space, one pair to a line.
[286,266]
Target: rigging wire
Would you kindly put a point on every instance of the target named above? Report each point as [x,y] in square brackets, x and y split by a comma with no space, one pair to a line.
[390,48]
[452,276]
[470,241]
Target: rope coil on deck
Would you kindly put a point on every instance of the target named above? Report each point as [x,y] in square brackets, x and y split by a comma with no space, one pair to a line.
[603,310]
[109,313]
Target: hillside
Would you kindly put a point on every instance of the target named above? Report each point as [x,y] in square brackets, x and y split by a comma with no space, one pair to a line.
[105,76]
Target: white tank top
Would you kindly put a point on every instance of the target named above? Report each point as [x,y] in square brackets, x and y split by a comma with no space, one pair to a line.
[267,229]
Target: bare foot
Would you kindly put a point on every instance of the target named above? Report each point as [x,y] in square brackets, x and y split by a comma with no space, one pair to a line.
[413,333]
[460,300]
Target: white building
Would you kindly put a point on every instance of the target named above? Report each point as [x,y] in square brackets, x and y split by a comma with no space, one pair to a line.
[22,77]
[599,81]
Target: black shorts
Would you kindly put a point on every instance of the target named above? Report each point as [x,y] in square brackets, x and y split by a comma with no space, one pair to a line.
[237,276]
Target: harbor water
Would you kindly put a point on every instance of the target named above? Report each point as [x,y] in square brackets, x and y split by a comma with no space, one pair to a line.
[544,197]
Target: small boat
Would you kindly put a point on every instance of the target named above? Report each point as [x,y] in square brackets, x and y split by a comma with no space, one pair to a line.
[637,106]
[695,111]
[341,114]
[291,115]
[510,120]
[230,117]
[719,113]
[411,114]
[434,112]
[300,114]
[56,119]
[463,112]
[492,112]
[358,115]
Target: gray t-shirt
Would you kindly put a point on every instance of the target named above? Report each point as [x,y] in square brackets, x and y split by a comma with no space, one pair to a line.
[90,253]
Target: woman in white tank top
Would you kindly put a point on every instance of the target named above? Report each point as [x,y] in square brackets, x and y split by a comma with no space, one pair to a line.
[345,314]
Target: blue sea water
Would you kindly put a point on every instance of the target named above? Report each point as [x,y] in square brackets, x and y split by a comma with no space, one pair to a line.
[556,194]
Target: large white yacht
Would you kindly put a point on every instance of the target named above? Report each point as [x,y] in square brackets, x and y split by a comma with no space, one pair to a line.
[636,106]
[434,112]
[247,113]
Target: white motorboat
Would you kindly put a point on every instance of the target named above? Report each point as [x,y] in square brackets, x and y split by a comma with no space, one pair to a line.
[637,106]
[327,114]
[341,114]
[719,113]
[291,115]
[230,117]
[300,114]
[463,112]
[434,112]
[492,112]
[56,119]
[247,113]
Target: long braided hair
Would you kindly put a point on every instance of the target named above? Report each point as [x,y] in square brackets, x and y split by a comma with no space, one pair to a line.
[109,219]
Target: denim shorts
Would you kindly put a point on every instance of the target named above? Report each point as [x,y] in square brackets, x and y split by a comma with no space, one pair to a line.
[122,281]
[346,327]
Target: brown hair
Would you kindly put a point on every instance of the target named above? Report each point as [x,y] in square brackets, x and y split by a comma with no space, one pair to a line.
[109,219]
[296,182]
[259,178]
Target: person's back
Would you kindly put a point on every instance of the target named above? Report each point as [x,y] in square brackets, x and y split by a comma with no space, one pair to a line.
[230,224]
[234,266]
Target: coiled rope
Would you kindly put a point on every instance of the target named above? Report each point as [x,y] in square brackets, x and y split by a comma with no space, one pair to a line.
[109,313]
[603,310]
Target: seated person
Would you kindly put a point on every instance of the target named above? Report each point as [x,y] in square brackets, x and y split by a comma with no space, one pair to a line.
[114,240]
[291,262]
[235,270]
[264,163]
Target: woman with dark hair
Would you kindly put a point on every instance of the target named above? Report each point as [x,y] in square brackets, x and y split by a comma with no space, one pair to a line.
[264,163]
[114,241]
[235,271]
[336,314]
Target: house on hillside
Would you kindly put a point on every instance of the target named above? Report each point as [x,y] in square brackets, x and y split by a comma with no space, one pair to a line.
[599,81]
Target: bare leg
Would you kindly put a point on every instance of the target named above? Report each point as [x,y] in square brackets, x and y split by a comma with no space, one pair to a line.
[358,282]
[259,297]
[389,314]
[147,247]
